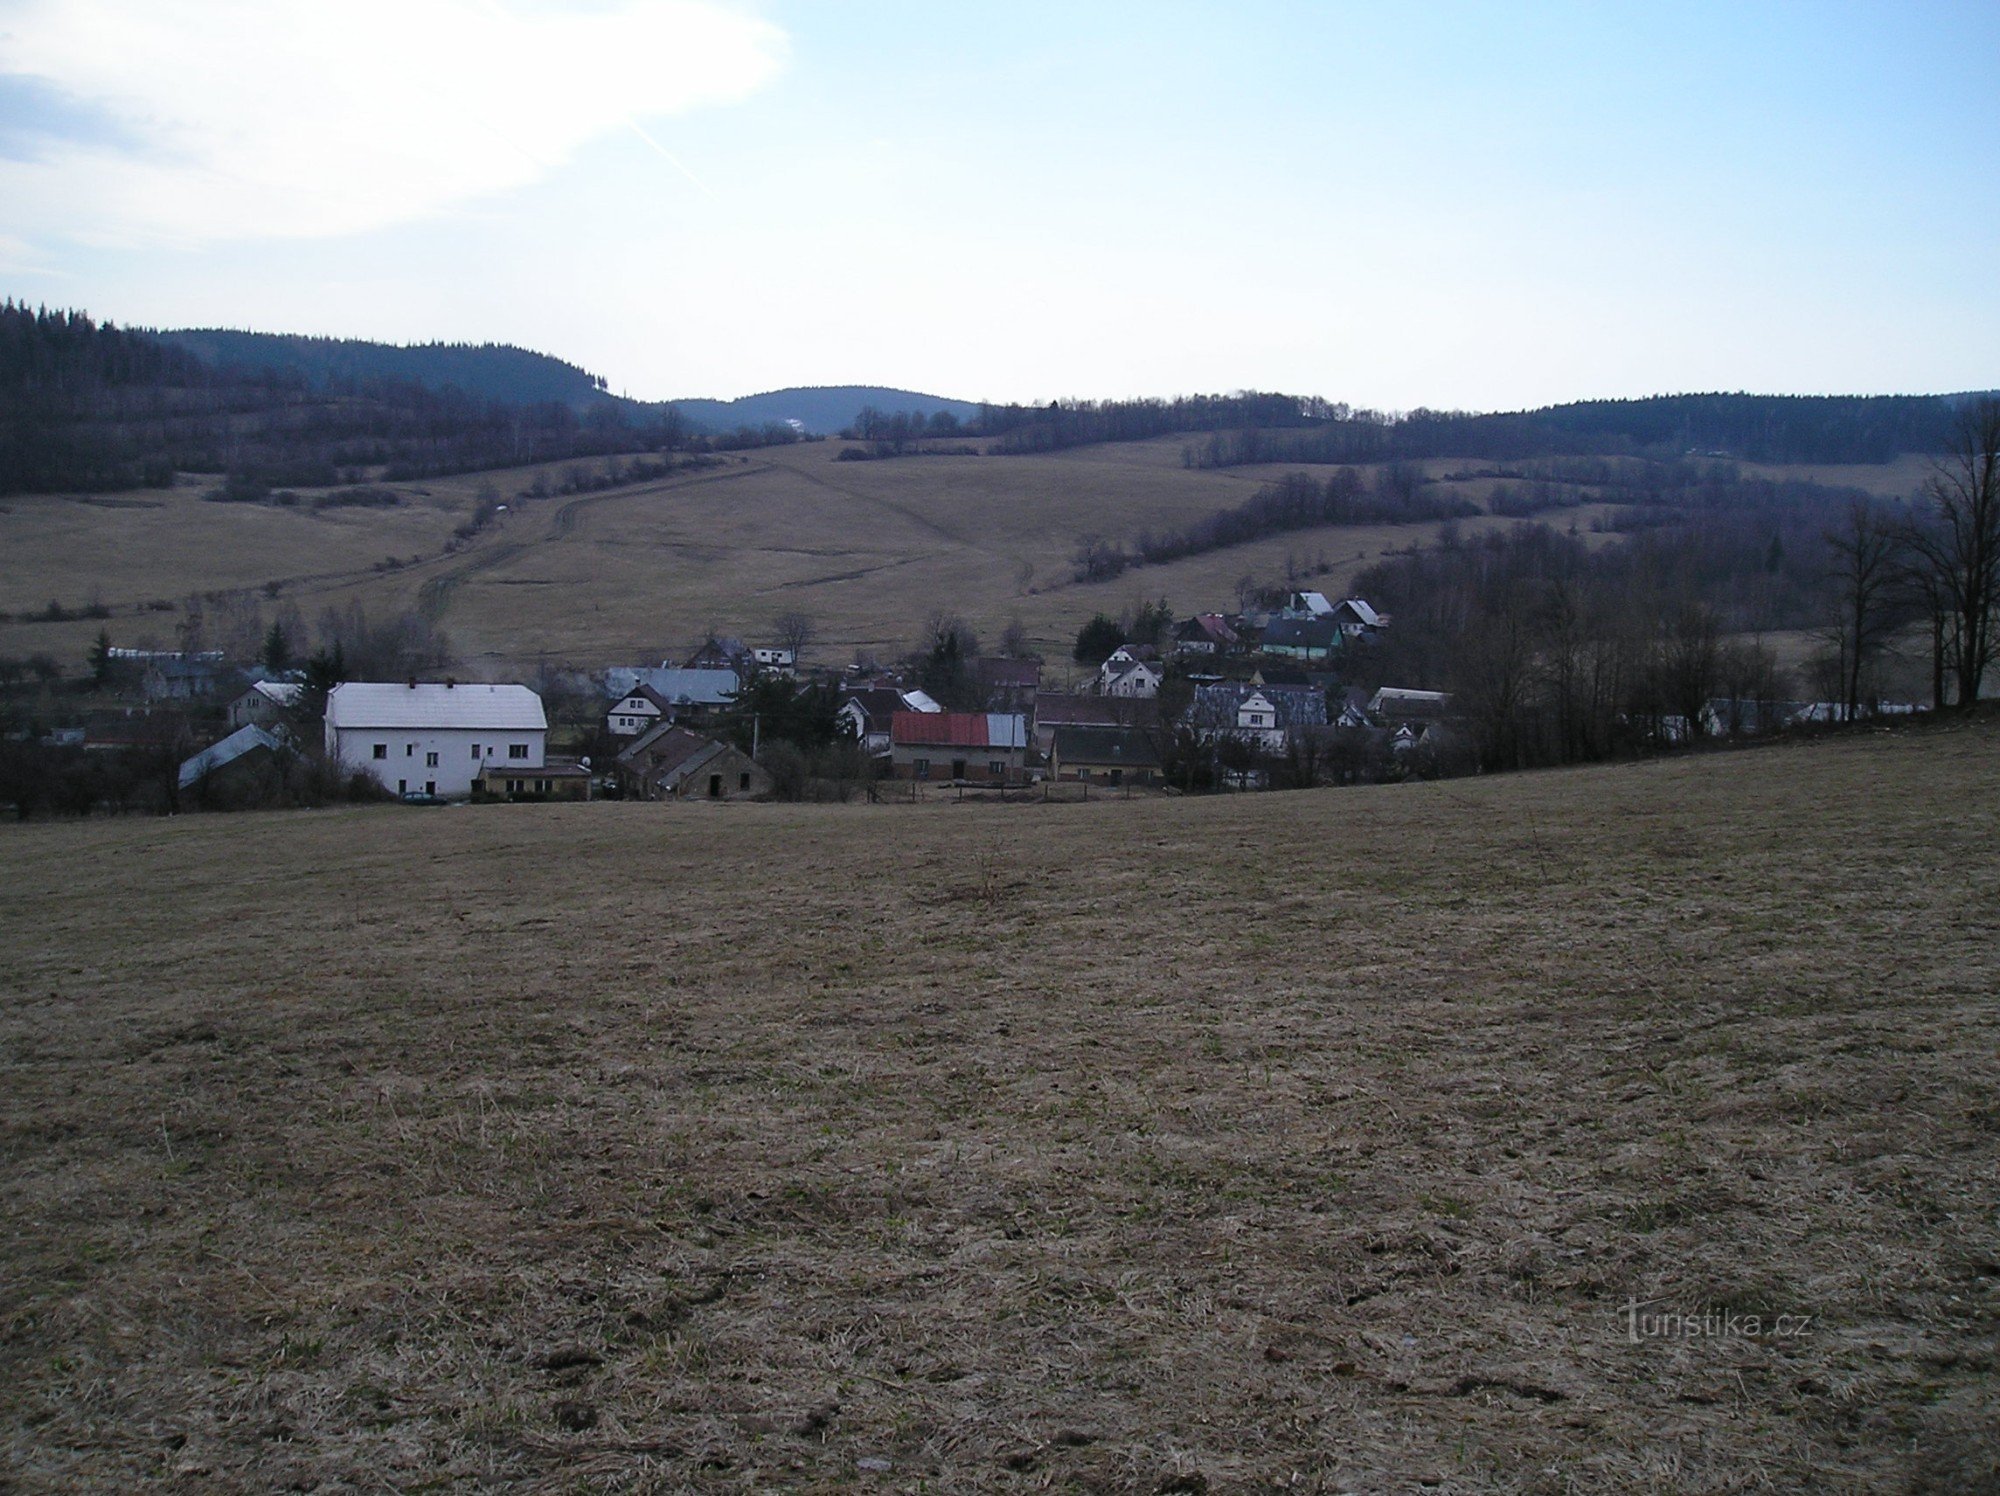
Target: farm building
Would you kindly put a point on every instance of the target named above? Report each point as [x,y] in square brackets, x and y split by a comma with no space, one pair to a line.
[557,779]
[242,768]
[1113,755]
[958,745]
[434,737]
[672,763]
[1055,709]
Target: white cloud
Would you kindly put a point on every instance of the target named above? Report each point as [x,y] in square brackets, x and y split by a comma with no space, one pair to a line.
[302,118]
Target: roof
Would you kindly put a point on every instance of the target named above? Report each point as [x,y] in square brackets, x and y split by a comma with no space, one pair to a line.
[991,671]
[1210,626]
[878,703]
[394,704]
[1301,633]
[664,748]
[216,755]
[1362,611]
[1295,706]
[1395,701]
[277,692]
[1314,603]
[1120,747]
[959,729]
[498,770]
[675,687]
[1054,708]
[647,693]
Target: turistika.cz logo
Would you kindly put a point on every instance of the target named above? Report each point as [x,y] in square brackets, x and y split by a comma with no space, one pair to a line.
[1645,1322]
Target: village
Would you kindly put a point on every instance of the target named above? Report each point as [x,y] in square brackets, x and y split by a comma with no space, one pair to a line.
[1239,701]
[1210,702]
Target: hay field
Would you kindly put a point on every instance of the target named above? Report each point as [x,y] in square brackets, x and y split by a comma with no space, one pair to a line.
[869,549]
[1309,1141]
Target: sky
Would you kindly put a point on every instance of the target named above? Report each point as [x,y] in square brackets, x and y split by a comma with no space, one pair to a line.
[1463,206]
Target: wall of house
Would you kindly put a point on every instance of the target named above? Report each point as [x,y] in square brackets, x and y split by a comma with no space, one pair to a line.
[461,754]
[738,776]
[904,760]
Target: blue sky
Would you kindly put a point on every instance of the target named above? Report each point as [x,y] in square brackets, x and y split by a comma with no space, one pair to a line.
[1476,206]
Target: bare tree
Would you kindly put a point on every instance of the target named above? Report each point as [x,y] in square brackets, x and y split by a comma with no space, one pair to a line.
[1958,544]
[1863,571]
[795,631]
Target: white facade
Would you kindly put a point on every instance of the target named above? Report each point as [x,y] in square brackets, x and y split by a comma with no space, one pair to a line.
[1123,675]
[632,715]
[434,738]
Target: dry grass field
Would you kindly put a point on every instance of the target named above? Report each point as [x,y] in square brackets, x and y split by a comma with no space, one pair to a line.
[1294,1142]
[869,549]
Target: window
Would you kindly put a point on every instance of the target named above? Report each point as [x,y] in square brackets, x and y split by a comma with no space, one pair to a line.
[409,750]
[402,786]
[997,768]
[381,750]
[517,750]
[475,751]
[743,780]
[920,768]
[430,760]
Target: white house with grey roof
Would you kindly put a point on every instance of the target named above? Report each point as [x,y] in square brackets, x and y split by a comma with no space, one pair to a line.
[434,737]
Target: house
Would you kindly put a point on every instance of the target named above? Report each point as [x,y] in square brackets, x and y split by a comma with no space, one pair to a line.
[1055,709]
[267,703]
[557,779]
[682,694]
[1357,619]
[959,745]
[434,737]
[636,711]
[725,653]
[1125,673]
[1307,605]
[675,763]
[1302,638]
[1254,713]
[181,677]
[234,765]
[1205,634]
[867,711]
[1007,685]
[774,660]
[1393,704]
[1112,755]
[1347,707]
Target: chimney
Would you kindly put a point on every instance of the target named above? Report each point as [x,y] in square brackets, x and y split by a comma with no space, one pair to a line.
[450,681]
[413,683]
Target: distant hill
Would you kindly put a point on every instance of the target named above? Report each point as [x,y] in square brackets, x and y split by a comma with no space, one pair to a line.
[822,409]
[519,376]
[489,371]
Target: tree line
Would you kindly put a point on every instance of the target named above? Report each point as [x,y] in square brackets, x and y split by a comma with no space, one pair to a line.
[87,406]
[1557,651]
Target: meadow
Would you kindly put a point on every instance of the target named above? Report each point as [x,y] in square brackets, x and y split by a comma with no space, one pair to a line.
[1624,1129]
[869,550]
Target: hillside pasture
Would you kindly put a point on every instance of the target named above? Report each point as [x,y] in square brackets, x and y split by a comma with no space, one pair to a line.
[1321,1141]
[868,549]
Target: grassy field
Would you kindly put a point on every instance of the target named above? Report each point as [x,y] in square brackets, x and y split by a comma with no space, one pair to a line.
[1310,1141]
[869,549]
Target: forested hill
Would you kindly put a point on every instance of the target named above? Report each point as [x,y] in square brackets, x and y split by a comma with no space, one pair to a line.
[89,406]
[1266,428]
[488,371]
[821,409]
